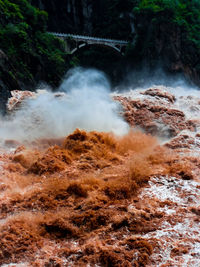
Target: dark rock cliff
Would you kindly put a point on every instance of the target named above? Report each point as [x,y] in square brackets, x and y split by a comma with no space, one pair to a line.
[156,40]
[89,17]
[73,16]
[7,80]
[102,18]
[161,42]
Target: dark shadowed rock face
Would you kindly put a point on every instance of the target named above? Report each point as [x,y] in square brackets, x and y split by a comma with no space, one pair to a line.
[103,18]
[7,80]
[72,16]
[165,44]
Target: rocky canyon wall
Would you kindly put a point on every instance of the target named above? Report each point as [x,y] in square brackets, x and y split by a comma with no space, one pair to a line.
[71,16]
[88,17]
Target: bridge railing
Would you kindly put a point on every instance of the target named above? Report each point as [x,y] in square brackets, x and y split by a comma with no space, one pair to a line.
[96,39]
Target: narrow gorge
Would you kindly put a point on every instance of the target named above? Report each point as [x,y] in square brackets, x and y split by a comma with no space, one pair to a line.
[99,148]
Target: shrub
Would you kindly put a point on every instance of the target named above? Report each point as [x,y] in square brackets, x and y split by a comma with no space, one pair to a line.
[34,54]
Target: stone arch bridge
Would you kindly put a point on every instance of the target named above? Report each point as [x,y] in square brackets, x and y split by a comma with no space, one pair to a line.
[75,42]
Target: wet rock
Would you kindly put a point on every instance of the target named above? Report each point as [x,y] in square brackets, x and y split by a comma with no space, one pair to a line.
[17,98]
[182,141]
[160,94]
[186,175]
[8,81]
[196,210]
[154,117]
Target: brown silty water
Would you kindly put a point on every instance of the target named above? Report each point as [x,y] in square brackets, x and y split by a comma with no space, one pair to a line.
[96,199]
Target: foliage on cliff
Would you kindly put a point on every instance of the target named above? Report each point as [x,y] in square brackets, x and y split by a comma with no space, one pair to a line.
[168,30]
[33,53]
[160,31]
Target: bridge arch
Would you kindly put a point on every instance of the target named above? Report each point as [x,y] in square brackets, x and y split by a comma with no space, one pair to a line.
[74,50]
[81,41]
[77,48]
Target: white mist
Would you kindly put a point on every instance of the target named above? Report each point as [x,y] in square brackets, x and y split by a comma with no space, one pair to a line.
[86,105]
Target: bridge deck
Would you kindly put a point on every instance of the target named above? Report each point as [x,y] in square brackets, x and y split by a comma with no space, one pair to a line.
[89,38]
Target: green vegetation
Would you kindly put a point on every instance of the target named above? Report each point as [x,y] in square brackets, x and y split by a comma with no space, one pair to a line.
[165,31]
[34,54]
[183,13]
[165,22]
